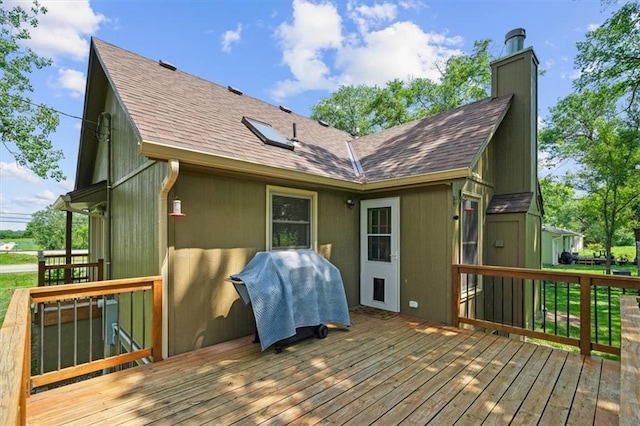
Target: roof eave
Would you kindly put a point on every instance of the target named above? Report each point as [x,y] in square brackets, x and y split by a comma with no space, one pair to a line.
[160,151]
[418,180]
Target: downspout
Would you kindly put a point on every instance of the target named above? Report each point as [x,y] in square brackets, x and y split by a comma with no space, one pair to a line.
[104,135]
[163,249]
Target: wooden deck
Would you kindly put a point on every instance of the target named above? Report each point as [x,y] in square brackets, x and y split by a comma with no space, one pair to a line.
[387,369]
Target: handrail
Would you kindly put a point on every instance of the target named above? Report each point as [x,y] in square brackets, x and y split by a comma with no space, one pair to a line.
[586,282]
[14,359]
[15,339]
[43,267]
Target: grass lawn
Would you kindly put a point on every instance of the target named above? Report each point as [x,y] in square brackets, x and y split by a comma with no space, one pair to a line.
[561,298]
[11,281]
[17,259]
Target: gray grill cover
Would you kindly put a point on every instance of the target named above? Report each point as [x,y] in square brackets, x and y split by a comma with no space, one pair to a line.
[290,289]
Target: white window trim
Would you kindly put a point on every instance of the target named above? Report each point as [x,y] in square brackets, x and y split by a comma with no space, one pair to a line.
[464,294]
[292,192]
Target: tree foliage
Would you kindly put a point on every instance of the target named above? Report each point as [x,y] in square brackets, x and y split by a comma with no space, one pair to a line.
[24,126]
[48,229]
[587,128]
[610,55]
[364,109]
[560,204]
[347,109]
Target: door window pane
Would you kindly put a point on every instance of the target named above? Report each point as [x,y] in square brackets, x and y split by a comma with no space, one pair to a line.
[379,234]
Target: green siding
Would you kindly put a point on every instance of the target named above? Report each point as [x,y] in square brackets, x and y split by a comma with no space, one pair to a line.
[225,225]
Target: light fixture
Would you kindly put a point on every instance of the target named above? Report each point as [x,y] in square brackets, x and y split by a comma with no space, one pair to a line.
[176,210]
[350,203]
[467,206]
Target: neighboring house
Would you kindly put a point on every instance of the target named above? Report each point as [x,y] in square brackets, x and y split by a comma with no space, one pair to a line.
[393,210]
[557,240]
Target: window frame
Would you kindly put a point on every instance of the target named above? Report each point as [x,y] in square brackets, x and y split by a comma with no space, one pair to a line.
[477,288]
[282,191]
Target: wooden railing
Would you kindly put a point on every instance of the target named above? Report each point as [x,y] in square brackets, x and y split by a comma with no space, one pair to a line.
[629,365]
[53,270]
[16,379]
[526,302]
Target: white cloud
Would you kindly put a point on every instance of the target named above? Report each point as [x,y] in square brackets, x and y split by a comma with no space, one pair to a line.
[401,50]
[65,28]
[321,53]
[43,198]
[315,29]
[71,80]
[230,37]
[66,185]
[593,27]
[411,4]
[11,171]
[371,16]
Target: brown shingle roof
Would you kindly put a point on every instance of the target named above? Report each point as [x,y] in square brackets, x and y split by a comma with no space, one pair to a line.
[510,203]
[446,141]
[180,110]
[177,109]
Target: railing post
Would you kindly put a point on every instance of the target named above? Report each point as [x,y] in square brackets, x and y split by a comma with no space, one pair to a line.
[455,295]
[585,315]
[26,366]
[100,269]
[156,327]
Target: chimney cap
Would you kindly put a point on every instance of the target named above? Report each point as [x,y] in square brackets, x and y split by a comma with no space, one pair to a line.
[515,33]
[514,40]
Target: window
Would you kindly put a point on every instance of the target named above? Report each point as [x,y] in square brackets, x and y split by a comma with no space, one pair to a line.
[291,219]
[470,242]
[267,134]
[379,234]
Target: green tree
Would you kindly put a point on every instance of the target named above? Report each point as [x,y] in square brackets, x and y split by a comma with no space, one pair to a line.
[463,79]
[347,109]
[610,55]
[48,228]
[24,126]
[587,128]
[560,209]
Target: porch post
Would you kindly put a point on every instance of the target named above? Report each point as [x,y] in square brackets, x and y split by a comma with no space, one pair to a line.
[585,315]
[68,245]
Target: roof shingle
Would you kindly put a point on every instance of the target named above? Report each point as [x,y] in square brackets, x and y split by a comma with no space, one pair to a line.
[180,110]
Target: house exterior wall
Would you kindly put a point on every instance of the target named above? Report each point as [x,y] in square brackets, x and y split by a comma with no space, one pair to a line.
[551,243]
[426,250]
[126,237]
[225,225]
[130,225]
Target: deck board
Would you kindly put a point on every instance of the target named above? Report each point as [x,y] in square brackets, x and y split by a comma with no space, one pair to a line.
[387,369]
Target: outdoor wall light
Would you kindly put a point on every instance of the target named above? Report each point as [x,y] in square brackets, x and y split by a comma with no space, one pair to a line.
[350,203]
[176,210]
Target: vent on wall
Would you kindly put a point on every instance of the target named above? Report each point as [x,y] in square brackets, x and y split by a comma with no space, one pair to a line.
[167,65]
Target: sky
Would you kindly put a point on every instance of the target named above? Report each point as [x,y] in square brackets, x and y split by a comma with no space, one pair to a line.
[286,52]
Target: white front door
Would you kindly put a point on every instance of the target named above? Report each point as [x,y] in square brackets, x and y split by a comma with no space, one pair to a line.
[380,253]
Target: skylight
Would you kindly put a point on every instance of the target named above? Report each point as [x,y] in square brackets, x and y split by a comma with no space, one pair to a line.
[267,134]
